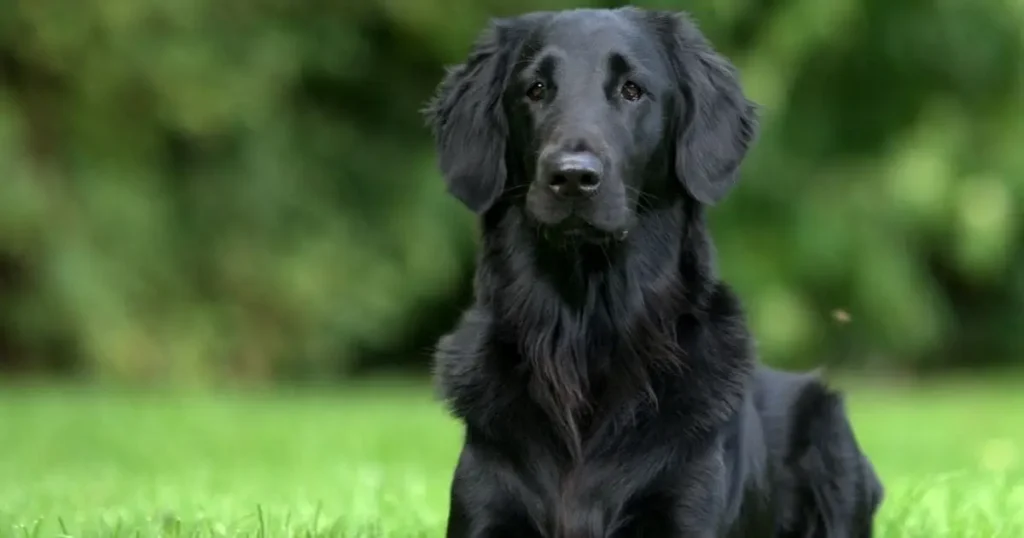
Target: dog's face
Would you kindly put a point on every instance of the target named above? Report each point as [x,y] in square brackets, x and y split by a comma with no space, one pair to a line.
[575,116]
[587,107]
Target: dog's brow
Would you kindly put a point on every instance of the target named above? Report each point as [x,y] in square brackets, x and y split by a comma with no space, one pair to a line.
[621,65]
[618,64]
[546,66]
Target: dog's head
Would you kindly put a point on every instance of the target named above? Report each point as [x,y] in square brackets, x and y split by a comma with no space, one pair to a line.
[585,117]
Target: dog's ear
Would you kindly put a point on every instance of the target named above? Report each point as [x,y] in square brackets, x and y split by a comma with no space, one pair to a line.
[468,120]
[717,124]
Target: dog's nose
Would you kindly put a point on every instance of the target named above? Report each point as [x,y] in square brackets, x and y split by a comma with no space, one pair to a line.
[574,174]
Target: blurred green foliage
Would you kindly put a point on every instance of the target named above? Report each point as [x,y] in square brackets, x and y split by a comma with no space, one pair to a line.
[202,190]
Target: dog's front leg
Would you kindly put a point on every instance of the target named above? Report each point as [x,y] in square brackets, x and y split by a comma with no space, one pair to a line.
[459,522]
[487,524]
[701,503]
[483,503]
[482,522]
[471,512]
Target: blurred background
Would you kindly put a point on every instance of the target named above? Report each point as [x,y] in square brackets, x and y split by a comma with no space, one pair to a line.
[226,252]
[205,193]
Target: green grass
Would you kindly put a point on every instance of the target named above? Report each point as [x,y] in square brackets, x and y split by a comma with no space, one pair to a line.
[376,462]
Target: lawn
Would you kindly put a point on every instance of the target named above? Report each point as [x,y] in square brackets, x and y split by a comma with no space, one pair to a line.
[376,460]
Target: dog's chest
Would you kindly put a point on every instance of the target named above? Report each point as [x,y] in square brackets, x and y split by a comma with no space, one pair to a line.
[585,499]
[600,495]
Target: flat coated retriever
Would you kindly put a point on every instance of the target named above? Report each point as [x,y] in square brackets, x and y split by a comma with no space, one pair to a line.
[605,375]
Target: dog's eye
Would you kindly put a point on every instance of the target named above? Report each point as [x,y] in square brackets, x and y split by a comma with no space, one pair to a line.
[536,91]
[631,92]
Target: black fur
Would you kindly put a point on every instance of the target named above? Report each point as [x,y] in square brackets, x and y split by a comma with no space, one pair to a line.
[605,375]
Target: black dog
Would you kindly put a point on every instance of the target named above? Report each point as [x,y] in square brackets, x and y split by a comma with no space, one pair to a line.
[605,375]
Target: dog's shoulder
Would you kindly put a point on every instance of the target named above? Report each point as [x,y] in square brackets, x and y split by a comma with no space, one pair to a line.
[462,373]
[480,377]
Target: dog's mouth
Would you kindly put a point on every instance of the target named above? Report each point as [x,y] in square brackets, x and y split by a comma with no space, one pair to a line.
[593,220]
[575,229]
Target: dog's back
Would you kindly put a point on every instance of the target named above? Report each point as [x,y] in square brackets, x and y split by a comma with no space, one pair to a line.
[822,481]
